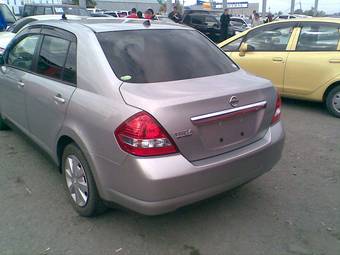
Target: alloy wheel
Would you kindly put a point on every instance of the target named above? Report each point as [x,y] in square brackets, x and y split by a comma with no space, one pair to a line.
[76,180]
[336,102]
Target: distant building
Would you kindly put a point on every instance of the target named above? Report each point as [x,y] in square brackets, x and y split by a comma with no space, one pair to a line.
[235,8]
[140,5]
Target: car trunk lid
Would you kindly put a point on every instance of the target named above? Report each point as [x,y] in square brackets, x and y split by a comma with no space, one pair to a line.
[208,116]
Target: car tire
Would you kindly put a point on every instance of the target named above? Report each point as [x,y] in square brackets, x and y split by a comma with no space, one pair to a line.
[79,183]
[333,101]
[3,126]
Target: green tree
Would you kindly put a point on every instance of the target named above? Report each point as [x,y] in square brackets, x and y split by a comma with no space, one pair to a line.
[298,11]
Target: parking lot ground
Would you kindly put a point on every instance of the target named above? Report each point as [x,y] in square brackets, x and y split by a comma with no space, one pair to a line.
[294,209]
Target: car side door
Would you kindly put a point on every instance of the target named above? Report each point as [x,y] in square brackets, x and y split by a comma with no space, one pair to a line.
[50,89]
[19,58]
[315,60]
[267,51]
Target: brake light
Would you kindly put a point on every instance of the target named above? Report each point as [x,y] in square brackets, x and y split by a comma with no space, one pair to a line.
[277,113]
[142,135]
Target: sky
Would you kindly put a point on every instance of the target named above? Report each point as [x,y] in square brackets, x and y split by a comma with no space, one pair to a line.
[329,6]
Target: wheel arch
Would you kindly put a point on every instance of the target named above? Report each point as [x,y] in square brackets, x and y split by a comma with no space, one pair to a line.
[66,137]
[329,88]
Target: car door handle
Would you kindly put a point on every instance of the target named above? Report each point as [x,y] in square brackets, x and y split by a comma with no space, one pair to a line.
[278,59]
[334,61]
[59,99]
[20,84]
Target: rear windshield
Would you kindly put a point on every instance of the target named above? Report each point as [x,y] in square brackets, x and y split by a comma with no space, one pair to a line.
[147,56]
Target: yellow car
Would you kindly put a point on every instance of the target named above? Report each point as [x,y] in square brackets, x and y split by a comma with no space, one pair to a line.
[300,56]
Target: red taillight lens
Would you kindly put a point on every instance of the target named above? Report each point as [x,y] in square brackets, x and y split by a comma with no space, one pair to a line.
[277,113]
[142,135]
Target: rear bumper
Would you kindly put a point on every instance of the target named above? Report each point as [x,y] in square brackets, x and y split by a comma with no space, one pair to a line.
[158,185]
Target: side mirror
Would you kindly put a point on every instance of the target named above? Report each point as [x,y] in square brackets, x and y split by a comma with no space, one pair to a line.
[243,49]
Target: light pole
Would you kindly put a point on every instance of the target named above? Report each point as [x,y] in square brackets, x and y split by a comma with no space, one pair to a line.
[292,7]
[316,7]
[264,8]
[82,3]
[168,6]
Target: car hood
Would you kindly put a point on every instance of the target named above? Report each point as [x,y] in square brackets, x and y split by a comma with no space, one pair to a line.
[5,38]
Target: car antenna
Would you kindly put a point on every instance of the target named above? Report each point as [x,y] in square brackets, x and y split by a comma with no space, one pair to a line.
[147,23]
[63,16]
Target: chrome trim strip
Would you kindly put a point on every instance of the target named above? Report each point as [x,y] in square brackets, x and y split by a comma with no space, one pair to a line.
[261,104]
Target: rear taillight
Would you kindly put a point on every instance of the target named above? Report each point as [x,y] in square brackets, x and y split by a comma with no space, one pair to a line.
[277,113]
[142,135]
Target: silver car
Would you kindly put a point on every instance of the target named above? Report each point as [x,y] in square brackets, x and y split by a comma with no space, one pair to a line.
[148,116]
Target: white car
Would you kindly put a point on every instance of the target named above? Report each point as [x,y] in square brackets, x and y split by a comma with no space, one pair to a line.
[289,16]
[6,37]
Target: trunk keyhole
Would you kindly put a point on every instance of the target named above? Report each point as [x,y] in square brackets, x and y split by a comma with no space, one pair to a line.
[242,134]
[221,140]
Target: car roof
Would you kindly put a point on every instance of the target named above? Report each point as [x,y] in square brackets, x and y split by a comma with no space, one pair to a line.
[110,24]
[52,17]
[55,5]
[319,19]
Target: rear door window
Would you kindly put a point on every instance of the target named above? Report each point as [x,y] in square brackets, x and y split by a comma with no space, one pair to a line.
[146,56]
[52,57]
[70,69]
[319,37]
[233,46]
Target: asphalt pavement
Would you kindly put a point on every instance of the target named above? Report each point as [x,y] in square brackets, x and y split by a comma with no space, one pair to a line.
[294,209]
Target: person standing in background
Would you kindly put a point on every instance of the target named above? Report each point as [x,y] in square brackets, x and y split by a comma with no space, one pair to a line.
[139,15]
[3,23]
[133,14]
[175,15]
[269,18]
[256,21]
[225,21]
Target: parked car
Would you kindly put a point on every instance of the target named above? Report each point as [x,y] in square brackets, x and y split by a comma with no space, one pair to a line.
[300,56]
[151,135]
[8,35]
[48,9]
[101,15]
[7,14]
[240,24]
[206,24]
[164,18]
[290,16]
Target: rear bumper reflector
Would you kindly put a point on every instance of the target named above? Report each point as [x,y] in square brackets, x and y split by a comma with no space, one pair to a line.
[228,114]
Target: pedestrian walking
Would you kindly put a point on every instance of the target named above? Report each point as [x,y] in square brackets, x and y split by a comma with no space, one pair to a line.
[225,21]
[269,18]
[148,15]
[133,14]
[140,15]
[175,15]
[256,21]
